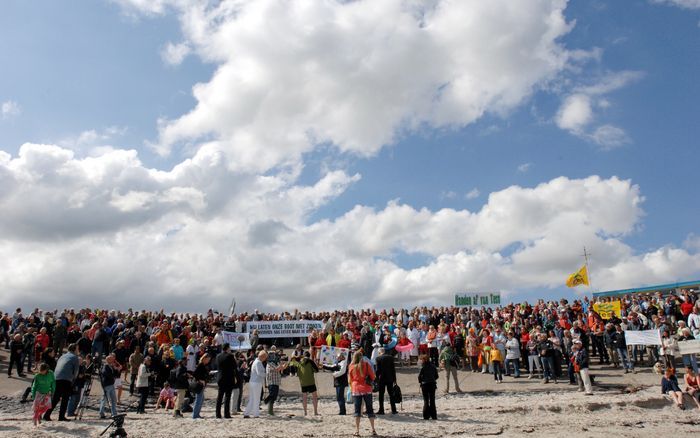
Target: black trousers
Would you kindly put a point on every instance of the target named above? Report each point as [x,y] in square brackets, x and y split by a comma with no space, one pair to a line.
[389,388]
[64,390]
[224,396]
[143,398]
[429,410]
[15,359]
[240,398]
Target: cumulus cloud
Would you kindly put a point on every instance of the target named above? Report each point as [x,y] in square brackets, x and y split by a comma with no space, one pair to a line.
[9,109]
[577,111]
[293,75]
[110,230]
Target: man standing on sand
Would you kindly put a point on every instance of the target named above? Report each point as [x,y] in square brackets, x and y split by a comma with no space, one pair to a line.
[226,379]
[255,385]
[386,376]
[67,369]
[305,371]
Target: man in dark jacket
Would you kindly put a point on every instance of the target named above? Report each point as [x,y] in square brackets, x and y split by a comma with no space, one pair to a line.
[546,351]
[16,350]
[226,378]
[427,378]
[386,377]
[181,384]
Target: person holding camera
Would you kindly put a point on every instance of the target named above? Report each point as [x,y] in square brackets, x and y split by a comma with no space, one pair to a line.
[108,376]
[181,384]
[386,375]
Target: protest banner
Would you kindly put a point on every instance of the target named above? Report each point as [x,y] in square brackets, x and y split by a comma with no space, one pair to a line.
[237,341]
[329,355]
[478,299]
[607,310]
[689,347]
[284,329]
[643,337]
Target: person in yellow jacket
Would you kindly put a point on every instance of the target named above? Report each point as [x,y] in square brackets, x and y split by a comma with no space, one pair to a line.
[333,338]
[497,363]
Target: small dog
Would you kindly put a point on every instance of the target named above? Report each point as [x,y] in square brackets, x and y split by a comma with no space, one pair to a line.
[658,368]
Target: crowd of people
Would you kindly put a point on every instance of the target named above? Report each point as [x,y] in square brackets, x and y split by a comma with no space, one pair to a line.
[174,357]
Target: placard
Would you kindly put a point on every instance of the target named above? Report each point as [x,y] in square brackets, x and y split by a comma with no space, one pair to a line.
[237,341]
[284,329]
[478,299]
[689,347]
[607,310]
[643,337]
[329,355]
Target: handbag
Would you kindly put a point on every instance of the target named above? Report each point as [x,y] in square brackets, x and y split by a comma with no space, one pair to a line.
[196,387]
[348,396]
[396,394]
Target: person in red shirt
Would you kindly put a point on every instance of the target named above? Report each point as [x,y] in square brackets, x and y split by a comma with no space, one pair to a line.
[41,343]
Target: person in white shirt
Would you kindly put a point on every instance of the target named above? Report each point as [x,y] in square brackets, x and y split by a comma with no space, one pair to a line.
[694,321]
[255,385]
[191,354]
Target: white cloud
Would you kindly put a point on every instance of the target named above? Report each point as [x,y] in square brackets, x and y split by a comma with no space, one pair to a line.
[174,54]
[692,242]
[686,4]
[68,223]
[522,168]
[473,193]
[576,113]
[293,75]
[9,109]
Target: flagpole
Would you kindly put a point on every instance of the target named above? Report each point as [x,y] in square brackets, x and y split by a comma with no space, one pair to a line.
[588,270]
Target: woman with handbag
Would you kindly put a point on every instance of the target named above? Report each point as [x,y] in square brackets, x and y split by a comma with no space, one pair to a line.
[201,374]
[361,377]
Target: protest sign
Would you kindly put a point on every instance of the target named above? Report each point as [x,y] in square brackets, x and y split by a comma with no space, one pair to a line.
[329,355]
[237,341]
[607,310]
[284,329]
[643,337]
[478,299]
[689,347]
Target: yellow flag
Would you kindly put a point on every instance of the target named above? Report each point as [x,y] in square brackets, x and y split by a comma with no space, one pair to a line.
[580,277]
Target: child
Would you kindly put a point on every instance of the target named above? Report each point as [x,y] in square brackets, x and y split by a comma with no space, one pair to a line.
[167,396]
[497,362]
[43,387]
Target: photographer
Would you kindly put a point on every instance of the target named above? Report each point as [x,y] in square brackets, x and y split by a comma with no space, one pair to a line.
[181,384]
[84,373]
[108,375]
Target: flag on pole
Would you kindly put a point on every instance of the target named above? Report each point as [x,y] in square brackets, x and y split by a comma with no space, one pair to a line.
[580,277]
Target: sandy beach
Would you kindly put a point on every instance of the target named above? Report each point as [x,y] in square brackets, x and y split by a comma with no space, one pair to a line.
[630,404]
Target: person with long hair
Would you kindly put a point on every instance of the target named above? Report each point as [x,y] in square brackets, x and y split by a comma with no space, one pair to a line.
[201,374]
[361,377]
[427,378]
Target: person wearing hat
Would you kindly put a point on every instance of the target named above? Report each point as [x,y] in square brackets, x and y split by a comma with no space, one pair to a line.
[340,380]
[580,358]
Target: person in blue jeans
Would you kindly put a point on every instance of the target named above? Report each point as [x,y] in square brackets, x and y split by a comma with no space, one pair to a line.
[546,351]
[110,371]
[201,374]
[620,344]
[512,355]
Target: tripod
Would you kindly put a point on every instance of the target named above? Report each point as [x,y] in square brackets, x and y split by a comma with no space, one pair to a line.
[118,424]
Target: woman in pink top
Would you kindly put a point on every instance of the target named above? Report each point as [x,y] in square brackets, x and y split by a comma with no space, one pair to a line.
[692,385]
[361,377]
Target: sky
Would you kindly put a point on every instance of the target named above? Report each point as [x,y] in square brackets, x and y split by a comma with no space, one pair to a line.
[343,154]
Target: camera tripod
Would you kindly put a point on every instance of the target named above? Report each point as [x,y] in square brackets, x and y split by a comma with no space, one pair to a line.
[118,424]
